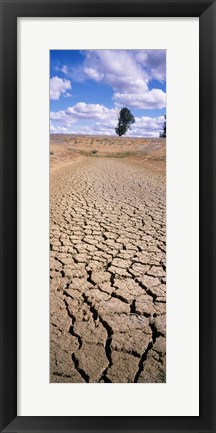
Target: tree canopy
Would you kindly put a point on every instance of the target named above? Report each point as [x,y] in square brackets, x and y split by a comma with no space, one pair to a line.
[125,120]
[163,134]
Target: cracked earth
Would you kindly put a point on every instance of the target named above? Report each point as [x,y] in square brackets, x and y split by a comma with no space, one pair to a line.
[107,272]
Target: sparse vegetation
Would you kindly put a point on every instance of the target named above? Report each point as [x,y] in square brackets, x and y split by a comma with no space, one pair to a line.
[118,155]
[88,153]
[103,154]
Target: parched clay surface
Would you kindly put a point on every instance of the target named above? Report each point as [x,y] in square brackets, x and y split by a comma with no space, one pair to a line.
[107,272]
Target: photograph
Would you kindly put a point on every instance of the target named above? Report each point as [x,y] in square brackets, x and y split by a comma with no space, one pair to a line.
[107,216]
[118,215]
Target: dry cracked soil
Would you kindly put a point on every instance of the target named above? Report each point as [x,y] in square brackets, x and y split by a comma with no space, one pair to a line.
[107,272]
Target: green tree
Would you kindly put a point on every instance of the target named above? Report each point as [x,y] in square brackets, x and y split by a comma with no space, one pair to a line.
[125,121]
[163,134]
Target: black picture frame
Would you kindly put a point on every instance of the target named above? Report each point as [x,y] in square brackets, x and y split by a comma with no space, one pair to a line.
[10,11]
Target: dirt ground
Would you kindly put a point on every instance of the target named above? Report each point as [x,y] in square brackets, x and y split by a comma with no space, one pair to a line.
[107,260]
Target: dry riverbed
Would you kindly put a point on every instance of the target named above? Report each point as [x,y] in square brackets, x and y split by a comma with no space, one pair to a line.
[107,269]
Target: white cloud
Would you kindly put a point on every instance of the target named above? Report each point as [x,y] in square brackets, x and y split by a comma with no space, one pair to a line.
[143,133]
[58,130]
[142,130]
[67,118]
[86,130]
[91,111]
[154,62]
[147,127]
[151,99]
[68,121]
[58,86]
[151,123]
[64,69]
[117,68]
[128,72]
[93,74]
[59,120]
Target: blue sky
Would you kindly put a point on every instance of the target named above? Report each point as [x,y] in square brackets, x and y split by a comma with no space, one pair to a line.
[89,87]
